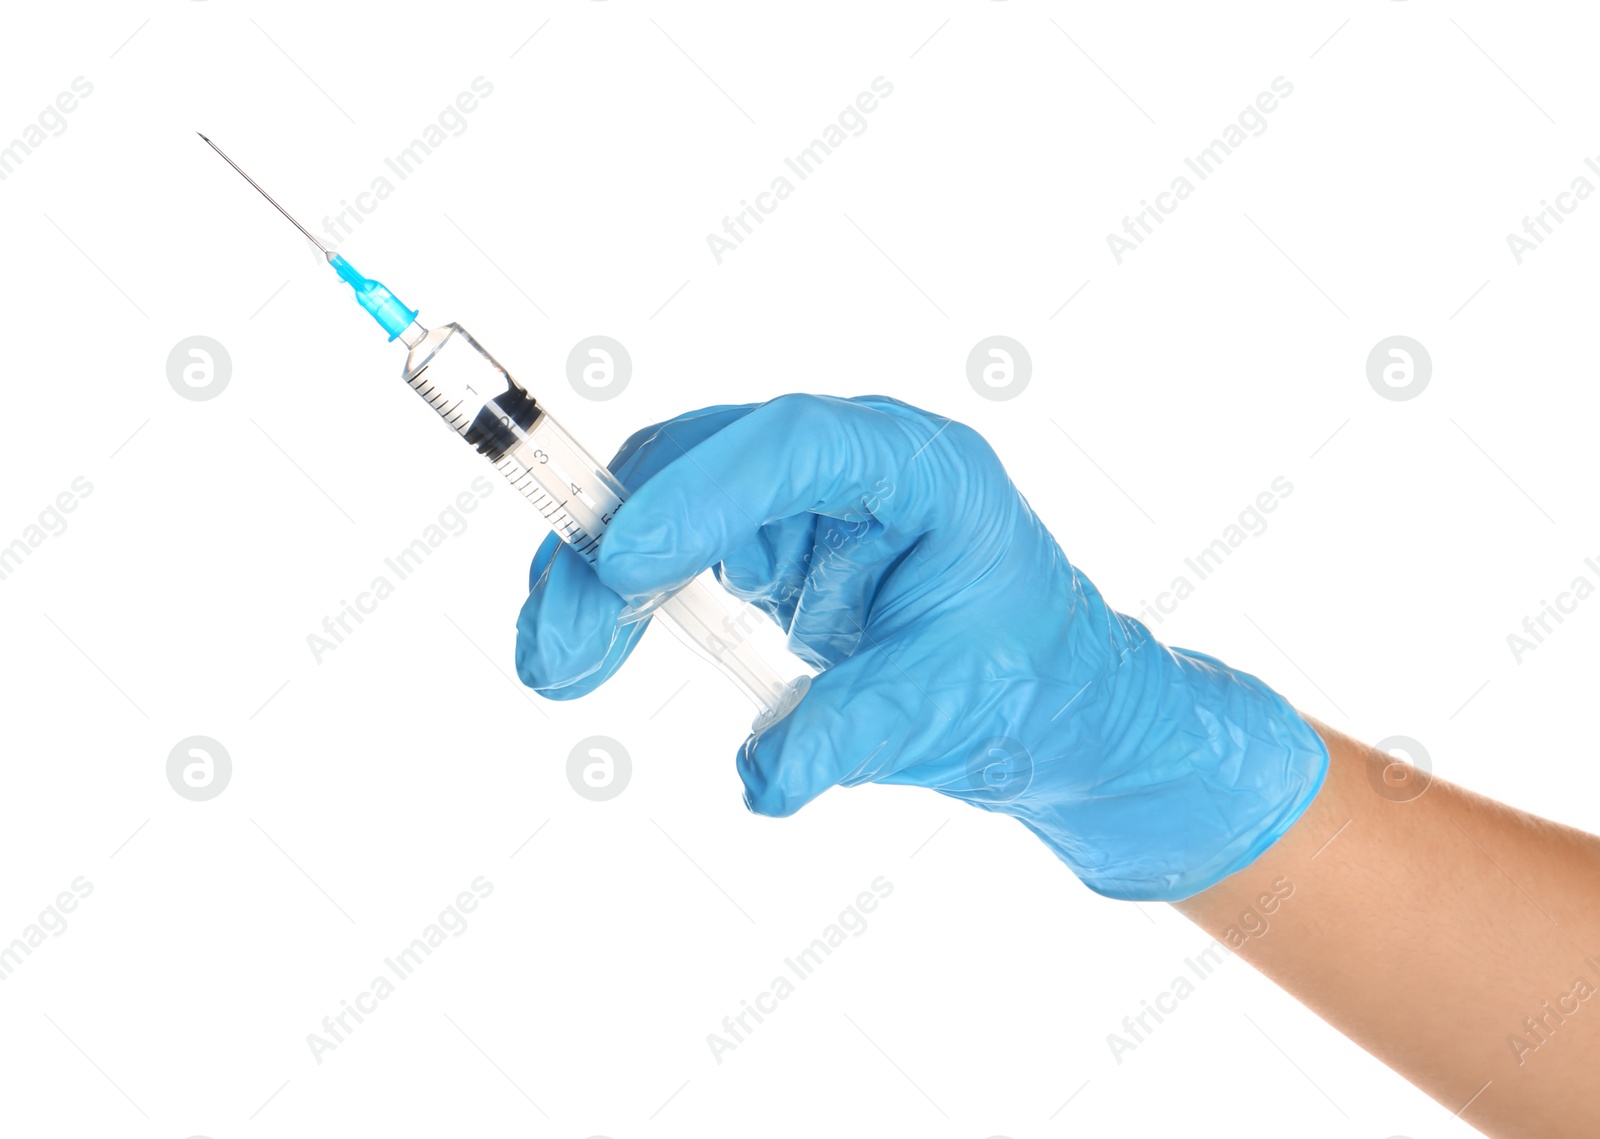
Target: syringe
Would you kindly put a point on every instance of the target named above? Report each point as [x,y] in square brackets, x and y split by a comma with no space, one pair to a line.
[577,495]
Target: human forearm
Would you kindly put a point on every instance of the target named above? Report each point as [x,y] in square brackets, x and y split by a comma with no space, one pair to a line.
[1436,932]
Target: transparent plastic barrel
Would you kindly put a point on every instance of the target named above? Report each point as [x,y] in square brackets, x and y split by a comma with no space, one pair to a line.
[578,496]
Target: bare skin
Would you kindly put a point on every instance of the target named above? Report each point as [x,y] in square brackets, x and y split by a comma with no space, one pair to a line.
[1429,928]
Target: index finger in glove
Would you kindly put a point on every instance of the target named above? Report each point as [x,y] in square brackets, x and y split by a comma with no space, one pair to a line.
[792,455]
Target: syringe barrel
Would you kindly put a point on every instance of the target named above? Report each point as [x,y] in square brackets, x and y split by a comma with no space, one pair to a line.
[578,496]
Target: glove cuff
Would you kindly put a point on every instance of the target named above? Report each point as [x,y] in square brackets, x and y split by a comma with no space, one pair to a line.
[1198,769]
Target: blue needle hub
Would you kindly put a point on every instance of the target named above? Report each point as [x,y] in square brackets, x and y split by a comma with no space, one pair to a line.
[386,308]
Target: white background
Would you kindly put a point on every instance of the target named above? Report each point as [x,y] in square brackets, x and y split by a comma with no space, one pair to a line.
[369,789]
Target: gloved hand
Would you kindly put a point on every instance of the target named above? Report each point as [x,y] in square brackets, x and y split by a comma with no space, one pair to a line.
[959,649]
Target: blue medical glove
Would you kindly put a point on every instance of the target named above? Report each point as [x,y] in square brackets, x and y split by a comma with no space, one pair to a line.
[959,649]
